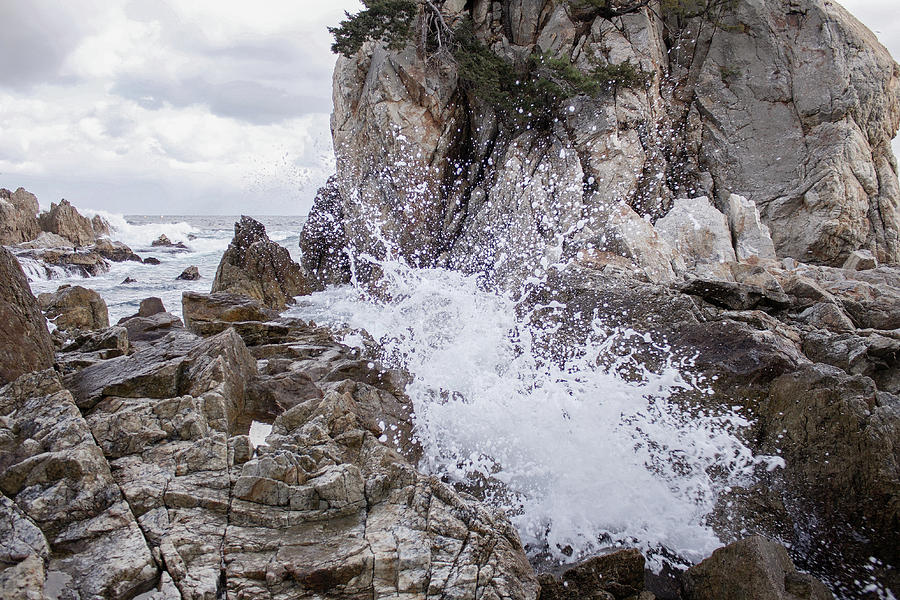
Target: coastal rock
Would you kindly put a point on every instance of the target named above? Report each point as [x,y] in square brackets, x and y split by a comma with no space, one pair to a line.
[64,220]
[432,171]
[163,241]
[55,473]
[622,232]
[701,235]
[860,260]
[115,251]
[47,240]
[25,344]
[100,226]
[751,237]
[618,575]
[18,216]
[147,329]
[323,243]
[156,489]
[151,260]
[210,313]
[192,273]
[84,263]
[754,568]
[75,307]
[255,266]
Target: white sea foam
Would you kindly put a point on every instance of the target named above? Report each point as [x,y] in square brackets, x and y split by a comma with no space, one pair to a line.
[143,235]
[578,456]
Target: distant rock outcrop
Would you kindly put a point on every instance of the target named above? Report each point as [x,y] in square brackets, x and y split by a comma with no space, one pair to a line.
[25,341]
[255,266]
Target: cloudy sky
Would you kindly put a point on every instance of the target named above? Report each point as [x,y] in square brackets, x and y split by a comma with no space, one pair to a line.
[185,106]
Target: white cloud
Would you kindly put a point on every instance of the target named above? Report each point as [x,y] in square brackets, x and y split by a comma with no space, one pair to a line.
[184,107]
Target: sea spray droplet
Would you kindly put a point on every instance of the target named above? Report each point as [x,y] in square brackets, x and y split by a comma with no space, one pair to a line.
[579,455]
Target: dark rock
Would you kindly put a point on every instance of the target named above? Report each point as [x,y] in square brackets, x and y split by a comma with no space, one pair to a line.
[322,241]
[150,306]
[736,296]
[115,251]
[839,439]
[114,339]
[151,328]
[618,575]
[75,307]
[211,313]
[754,568]
[255,266]
[64,220]
[164,242]
[128,280]
[25,341]
[150,260]
[190,274]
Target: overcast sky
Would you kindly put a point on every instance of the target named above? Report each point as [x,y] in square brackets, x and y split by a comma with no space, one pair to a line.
[187,106]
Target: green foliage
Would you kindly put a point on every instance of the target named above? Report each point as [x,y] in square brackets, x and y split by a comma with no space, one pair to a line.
[389,21]
[528,93]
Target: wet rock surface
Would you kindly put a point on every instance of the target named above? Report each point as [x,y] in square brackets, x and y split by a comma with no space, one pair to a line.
[155,487]
[64,220]
[255,266]
[75,308]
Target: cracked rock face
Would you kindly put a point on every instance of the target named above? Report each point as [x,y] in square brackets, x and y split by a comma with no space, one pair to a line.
[255,266]
[144,480]
[792,104]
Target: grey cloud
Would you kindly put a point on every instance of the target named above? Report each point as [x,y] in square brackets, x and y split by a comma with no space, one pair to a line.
[248,101]
[36,39]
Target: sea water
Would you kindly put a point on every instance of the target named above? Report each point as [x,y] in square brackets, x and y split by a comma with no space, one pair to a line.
[579,457]
[206,238]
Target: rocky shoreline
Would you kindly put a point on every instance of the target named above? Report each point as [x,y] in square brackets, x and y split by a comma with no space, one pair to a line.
[127,468]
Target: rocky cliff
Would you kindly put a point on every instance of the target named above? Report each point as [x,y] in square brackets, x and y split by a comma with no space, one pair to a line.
[790,103]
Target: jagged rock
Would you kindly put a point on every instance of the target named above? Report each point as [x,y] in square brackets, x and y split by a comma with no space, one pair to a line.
[872,355]
[64,220]
[429,169]
[75,307]
[618,575]
[860,260]
[115,251]
[25,344]
[191,273]
[700,233]
[622,232]
[751,569]
[150,306]
[150,260]
[736,296]
[150,328]
[53,470]
[207,314]
[827,315]
[47,240]
[750,236]
[164,242]
[18,216]
[100,226]
[255,266]
[322,241]
[128,280]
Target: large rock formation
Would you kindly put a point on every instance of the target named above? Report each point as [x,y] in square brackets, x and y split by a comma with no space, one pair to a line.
[255,266]
[64,220]
[75,307]
[25,342]
[18,216]
[430,170]
[141,478]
